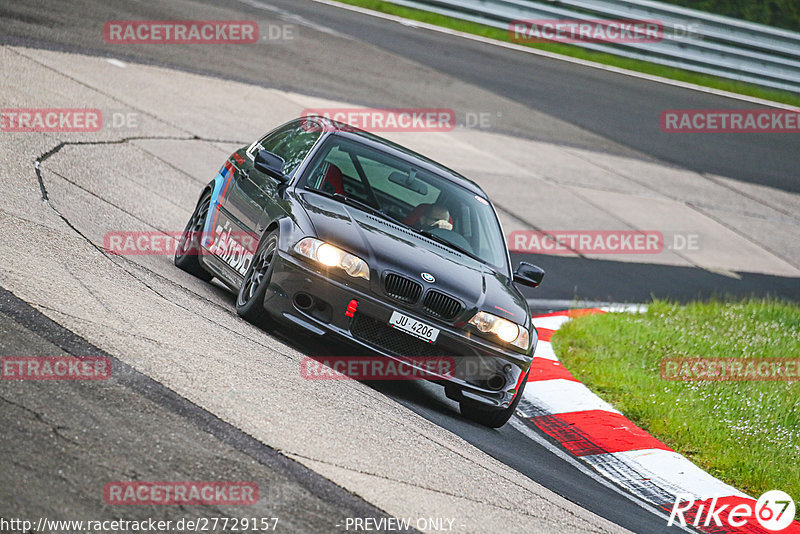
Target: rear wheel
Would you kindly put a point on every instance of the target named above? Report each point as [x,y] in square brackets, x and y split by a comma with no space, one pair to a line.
[187,253]
[250,300]
[474,411]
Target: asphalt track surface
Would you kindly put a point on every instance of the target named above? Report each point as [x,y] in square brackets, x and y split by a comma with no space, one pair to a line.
[593,109]
[132,427]
[155,431]
[346,59]
[620,110]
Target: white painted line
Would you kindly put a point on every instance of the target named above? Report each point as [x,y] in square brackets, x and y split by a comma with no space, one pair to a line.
[563,396]
[544,349]
[551,323]
[291,17]
[564,304]
[669,470]
[116,62]
[551,55]
[526,431]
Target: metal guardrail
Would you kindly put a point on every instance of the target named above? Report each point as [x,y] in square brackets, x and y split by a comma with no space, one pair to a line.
[692,40]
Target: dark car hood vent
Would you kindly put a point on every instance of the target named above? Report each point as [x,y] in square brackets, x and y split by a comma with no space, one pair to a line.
[418,236]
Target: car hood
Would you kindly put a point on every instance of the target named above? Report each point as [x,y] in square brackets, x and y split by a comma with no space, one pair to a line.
[388,247]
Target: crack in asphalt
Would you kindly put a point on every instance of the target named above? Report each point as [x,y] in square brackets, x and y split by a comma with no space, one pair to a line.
[128,266]
[106,201]
[114,258]
[123,140]
[107,254]
[89,290]
[55,429]
[375,396]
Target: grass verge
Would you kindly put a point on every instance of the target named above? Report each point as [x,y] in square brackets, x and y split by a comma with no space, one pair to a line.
[645,67]
[745,433]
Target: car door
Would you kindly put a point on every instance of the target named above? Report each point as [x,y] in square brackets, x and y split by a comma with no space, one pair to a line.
[253,199]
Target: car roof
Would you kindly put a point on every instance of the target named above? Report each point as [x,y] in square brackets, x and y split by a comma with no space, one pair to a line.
[377,142]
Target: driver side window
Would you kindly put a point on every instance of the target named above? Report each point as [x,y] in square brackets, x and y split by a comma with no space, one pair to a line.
[291,142]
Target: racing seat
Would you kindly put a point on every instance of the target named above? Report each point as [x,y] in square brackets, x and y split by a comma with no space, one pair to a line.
[333,176]
[417,213]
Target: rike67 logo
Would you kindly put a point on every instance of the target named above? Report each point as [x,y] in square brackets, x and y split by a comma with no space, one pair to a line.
[773,511]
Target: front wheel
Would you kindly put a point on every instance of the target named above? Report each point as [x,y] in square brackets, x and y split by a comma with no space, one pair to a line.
[250,300]
[488,417]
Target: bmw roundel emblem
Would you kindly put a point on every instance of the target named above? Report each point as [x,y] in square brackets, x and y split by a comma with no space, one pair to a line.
[428,277]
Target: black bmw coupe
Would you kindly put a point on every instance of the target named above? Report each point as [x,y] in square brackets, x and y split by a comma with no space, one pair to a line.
[341,232]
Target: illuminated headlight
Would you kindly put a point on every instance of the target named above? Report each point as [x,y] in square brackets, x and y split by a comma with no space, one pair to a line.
[502,328]
[331,256]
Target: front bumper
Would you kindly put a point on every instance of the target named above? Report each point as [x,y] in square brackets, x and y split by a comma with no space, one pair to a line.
[309,296]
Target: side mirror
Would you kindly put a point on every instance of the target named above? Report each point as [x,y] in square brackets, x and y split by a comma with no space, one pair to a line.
[528,274]
[270,164]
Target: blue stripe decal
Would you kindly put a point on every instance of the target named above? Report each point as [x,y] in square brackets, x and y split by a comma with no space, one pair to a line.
[220,181]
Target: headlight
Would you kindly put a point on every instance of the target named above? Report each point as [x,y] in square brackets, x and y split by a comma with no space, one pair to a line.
[331,256]
[502,328]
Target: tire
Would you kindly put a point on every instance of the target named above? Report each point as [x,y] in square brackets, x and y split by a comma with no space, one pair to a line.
[250,299]
[488,417]
[187,253]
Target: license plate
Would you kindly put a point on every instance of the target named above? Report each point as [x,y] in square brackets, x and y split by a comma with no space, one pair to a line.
[413,327]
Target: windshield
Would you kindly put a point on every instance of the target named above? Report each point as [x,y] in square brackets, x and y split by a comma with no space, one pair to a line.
[432,205]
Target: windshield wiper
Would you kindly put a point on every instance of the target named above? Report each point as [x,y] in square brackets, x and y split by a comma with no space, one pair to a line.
[358,204]
[344,199]
[447,243]
[369,208]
